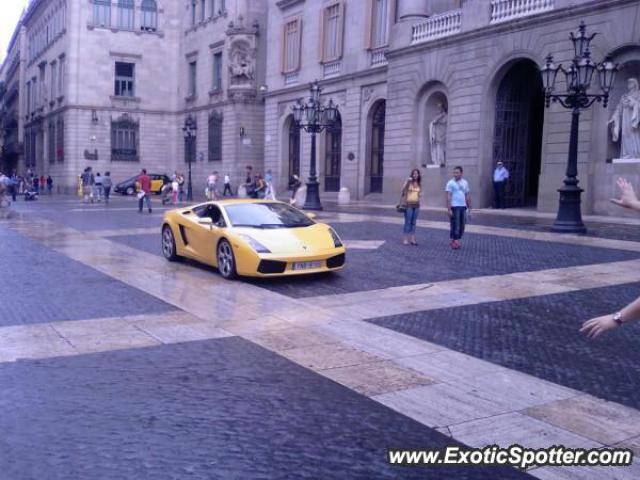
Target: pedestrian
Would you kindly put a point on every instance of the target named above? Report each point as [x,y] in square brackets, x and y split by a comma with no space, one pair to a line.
[13,184]
[410,201]
[261,187]
[597,326]
[227,186]
[97,187]
[270,193]
[175,190]
[294,185]
[212,182]
[500,177]
[144,196]
[43,184]
[36,184]
[458,205]
[107,183]
[49,181]
[87,180]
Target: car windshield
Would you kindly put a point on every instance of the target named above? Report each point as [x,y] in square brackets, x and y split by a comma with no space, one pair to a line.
[266,215]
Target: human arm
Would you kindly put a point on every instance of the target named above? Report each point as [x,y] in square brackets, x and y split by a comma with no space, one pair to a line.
[628,199]
[448,202]
[597,326]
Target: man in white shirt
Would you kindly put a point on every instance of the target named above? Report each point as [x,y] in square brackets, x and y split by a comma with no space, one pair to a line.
[500,177]
[458,203]
[227,185]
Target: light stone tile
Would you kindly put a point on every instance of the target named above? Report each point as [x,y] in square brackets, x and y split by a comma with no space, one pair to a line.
[88,336]
[514,428]
[583,473]
[32,341]
[439,405]
[632,443]
[450,367]
[177,333]
[322,357]
[252,325]
[287,339]
[376,378]
[599,420]
[517,390]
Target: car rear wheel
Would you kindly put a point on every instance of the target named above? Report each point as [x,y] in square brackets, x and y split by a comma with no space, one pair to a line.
[226,260]
[130,190]
[169,244]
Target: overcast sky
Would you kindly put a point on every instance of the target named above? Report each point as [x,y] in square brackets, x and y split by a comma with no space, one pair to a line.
[10,11]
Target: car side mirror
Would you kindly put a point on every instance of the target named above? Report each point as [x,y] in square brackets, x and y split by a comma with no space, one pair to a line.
[206,221]
[311,215]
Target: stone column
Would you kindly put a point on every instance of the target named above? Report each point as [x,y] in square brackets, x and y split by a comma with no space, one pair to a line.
[412,10]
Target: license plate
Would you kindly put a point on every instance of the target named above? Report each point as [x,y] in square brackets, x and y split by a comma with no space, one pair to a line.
[306,265]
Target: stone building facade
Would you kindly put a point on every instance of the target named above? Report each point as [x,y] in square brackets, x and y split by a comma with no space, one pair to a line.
[426,84]
[454,82]
[111,85]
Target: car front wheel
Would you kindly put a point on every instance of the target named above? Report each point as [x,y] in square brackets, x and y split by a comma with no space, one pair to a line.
[169,244]
[131,190]
[226,260]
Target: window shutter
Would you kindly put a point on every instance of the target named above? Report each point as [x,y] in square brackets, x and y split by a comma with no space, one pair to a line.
[368,38]
[283,49]
[321,43]
[299,43]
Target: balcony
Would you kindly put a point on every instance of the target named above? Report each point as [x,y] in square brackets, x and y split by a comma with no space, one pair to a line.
[291,78]
[504,10]
[331,69]
[438,26]
[378,56]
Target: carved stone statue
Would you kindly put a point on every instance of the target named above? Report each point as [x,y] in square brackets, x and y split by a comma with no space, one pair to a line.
[438,136]
[625,121]
[241,64]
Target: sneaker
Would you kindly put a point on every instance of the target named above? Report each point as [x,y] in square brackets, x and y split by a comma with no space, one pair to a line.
[149,210]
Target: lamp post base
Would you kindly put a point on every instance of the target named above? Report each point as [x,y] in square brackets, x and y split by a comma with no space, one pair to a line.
[569,219]
[312,202]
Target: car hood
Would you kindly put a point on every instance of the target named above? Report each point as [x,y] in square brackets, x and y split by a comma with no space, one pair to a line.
[291,241]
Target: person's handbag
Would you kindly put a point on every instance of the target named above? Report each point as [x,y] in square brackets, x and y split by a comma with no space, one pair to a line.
[141,195]
[401,207]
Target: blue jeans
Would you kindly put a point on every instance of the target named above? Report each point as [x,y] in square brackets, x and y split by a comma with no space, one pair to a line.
[410,217]
[147,200]
[458,218]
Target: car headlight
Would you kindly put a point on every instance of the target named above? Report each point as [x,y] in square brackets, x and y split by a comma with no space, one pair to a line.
[256,245]
[336,239]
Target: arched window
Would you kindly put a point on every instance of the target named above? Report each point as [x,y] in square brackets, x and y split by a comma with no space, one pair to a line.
[125,14]
[149,15]
[332,163]
[215,137]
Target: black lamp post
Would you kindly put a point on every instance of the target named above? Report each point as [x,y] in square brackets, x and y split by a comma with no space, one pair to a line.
[189,130]
[578,78]
[314,117]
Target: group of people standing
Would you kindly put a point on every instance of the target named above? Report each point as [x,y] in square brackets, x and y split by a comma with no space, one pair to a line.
[94,188]
[458,200]
[29,183]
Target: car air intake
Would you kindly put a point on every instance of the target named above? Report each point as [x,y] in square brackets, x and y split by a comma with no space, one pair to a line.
[335,262]
[271,266]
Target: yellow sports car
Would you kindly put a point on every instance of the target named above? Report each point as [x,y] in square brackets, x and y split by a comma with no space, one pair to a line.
[253,238]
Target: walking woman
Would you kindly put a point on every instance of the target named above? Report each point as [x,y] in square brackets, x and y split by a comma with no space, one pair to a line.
[411,193]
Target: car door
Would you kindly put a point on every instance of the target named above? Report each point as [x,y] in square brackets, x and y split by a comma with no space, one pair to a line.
[202,238]
[156,183]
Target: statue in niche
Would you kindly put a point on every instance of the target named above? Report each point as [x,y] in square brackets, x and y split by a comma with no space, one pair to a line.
[438,136]
[625,121]
[241,64]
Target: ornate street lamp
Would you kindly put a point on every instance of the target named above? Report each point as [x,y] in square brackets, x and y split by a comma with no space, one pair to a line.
[578,76]
[189,130]
[314,117]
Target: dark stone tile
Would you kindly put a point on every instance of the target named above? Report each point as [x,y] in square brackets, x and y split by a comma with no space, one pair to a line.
[40,285]
[539,336]
[219,409]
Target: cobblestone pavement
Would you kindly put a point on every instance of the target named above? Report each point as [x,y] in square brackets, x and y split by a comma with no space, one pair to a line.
[205,410]
[185,375]
[538,336]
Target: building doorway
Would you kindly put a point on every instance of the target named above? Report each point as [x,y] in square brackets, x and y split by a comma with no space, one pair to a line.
[376,149]
[333,156]
[518,132]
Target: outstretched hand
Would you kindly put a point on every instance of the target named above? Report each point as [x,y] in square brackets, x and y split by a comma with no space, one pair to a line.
[597,326]
[628,199]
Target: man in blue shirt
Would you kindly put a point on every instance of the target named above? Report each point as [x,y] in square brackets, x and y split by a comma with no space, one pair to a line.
[500,177]
[458,203]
